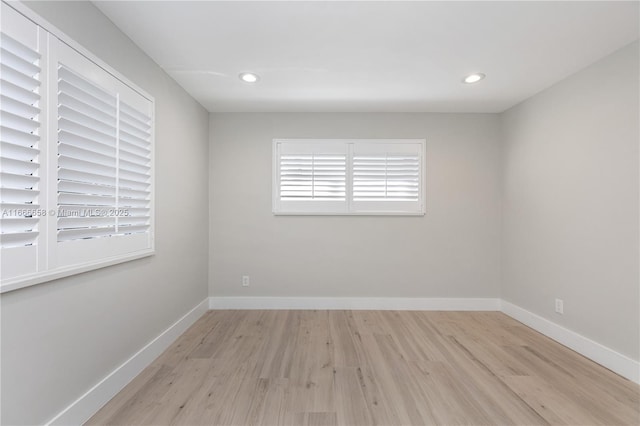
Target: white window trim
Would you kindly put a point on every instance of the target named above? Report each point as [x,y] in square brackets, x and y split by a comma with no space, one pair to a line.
[275,182]
[15,283]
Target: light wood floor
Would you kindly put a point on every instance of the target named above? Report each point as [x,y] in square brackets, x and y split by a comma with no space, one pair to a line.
[370,368]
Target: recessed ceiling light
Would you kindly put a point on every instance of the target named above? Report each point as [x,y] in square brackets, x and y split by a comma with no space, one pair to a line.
[249,77]
[473,78]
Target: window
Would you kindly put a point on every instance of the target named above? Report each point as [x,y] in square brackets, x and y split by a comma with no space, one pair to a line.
[348,176]
[76,152]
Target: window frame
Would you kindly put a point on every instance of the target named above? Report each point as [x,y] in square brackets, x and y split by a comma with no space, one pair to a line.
[348,209]
[47,36]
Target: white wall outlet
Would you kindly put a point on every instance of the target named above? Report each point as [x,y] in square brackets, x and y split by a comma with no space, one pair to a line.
[245,281]
[559,306]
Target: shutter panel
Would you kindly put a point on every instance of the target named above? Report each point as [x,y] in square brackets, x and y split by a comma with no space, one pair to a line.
[19,143]
[134,170]
[382,177]
[87,149]
[313,177]
[310,177]
[104,164]
[387,177]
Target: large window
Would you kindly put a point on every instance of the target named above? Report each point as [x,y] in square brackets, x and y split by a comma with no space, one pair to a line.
[348,176]
[76,151]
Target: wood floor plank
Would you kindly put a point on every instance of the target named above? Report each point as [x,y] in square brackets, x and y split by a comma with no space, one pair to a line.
[351,408]
[330,368]
[548,402]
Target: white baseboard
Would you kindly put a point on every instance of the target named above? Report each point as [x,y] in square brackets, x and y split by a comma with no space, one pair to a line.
[614,361]
[88,404]
[357,303]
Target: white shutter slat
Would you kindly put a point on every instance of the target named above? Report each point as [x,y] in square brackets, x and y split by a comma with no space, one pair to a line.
[132,202]
[17,137]
[71,139]
[18,152]
[86,188]
[21,108]
[134,149]
[18,78]
[138,167]
[17,93]
[18,63]
[133,130]
[130,112]
[86,155]
[134,158]
[68,223]
[25,208]
[19,239]
[86,177]
[77,93]
[132,184]
[11,180]
[134,176]
[139,212]
[133,220]
[135,118]
[18,122]
[10,165]
[106,116]
[87,119]
[133,193]
[86,167]
[64,124]
[12,45]
[134,140]
[86,87]
[133,229]
[17,196]
[85,200]
[85,233]
[17,225]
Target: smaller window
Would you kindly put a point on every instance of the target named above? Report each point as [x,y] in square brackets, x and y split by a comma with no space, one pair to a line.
[348,176]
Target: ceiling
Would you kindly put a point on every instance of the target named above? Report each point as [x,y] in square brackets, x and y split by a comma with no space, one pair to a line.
[390,56]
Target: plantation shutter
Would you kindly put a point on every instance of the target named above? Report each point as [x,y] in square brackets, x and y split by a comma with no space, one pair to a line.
[348,176]
[134,173]
[76,158]
[311,177]
[87,130]
[20,130]
[104,187]
[387,177]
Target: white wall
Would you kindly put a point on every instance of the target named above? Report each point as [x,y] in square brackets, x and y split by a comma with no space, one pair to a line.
[570,205]
[453,251]
[60,338]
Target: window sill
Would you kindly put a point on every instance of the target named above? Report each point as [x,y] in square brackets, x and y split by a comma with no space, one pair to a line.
[17,283]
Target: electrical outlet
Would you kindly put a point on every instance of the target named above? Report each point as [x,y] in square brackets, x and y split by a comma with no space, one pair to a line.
[245,281]
[559,306]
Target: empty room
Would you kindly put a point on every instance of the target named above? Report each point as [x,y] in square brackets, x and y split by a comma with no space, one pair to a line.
[319,213]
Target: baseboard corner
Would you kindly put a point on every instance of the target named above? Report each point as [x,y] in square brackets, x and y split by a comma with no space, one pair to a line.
[605,356]
[91,401]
